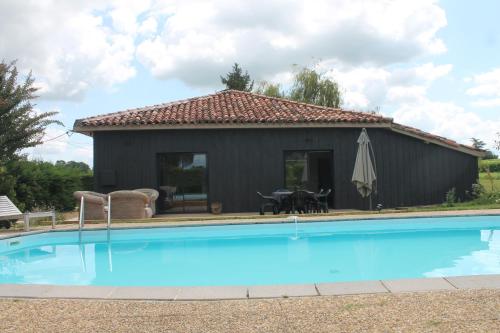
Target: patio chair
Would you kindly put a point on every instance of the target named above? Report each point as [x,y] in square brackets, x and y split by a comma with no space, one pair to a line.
[96,194]
[268,201]
[94,207]
[152,196]
[322,201]
[129,205]
[301,201]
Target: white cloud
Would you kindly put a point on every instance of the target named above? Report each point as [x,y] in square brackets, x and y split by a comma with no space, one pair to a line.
[486,85]
[200,39]
[73,46]
[447,119]
[69,45]
[431,72]
[370,87]
[487,103]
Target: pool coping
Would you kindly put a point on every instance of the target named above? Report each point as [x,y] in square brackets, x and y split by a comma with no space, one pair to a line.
[209,293]
[307,219]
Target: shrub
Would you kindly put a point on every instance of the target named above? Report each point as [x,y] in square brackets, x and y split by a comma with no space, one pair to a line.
[477,191]
[451,197]
[33,185]
[492,165]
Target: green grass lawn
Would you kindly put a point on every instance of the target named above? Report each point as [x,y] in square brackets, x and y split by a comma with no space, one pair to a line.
[490,185]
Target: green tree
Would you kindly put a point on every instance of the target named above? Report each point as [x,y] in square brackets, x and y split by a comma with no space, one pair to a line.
[497,142]
[308,86]
[20,126]
[33,185]
[269,89]
[237,80]
[311,87]
[477,143]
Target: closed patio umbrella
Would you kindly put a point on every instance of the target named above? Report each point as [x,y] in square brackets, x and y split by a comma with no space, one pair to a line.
[364,174]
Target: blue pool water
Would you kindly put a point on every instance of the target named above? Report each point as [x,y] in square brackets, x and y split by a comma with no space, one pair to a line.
[256,254]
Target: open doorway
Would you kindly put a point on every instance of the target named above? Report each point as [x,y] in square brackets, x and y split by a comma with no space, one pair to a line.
[310,170]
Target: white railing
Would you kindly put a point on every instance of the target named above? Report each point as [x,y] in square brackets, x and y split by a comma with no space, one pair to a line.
[109,211]
[81,220]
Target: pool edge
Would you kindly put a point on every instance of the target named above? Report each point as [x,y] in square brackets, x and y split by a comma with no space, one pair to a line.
[382,216]
[213,293]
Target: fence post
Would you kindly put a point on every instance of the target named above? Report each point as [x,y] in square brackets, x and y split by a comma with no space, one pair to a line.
[53,219]
[26,221]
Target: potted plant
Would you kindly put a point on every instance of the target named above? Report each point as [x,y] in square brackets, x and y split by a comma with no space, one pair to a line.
[216,207]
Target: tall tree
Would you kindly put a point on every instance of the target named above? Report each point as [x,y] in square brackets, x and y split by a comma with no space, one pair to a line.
[269,89]
[20,126]
[497,142]
[480,144]
[237,80]
[311,87]
[477,143]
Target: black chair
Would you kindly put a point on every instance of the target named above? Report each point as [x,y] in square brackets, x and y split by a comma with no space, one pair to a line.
[268,201]
[285,204]
[301,201]
[322,201]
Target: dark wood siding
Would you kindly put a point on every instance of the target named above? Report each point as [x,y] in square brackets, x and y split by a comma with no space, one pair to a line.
[243,161]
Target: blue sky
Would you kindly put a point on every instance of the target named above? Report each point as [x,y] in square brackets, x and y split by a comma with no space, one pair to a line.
[429,64]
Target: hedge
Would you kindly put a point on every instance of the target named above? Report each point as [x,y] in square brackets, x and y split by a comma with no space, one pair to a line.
[33,185]
[492,165]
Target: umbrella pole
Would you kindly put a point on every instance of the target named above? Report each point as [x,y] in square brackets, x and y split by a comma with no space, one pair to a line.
[370,198]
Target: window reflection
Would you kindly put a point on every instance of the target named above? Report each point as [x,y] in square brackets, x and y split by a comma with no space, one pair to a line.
[183,183]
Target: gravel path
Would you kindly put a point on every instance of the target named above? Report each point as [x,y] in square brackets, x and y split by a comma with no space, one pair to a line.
[456,311]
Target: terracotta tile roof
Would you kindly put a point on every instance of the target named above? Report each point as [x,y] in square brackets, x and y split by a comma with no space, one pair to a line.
[232,107]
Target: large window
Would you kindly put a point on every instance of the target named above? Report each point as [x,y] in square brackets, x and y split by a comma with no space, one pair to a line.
[309,170]
[183,182]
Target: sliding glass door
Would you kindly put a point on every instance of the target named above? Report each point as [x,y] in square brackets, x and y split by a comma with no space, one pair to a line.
[182,182]
[310,170]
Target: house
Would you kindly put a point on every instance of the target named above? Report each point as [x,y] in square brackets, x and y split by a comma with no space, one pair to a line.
[226,146]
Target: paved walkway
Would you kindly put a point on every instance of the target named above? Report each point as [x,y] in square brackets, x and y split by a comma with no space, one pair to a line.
[440,311]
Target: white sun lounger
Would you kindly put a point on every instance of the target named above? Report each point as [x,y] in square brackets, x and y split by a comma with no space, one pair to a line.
[9,211]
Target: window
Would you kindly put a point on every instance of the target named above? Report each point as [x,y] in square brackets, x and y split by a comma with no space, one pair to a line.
[183,182]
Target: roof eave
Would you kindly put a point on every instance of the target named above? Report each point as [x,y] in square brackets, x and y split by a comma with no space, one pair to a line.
[90,129]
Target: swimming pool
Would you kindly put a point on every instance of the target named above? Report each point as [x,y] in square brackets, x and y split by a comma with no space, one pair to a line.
[256,254]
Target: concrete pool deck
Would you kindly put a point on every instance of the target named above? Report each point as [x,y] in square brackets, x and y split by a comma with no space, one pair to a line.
[251,292]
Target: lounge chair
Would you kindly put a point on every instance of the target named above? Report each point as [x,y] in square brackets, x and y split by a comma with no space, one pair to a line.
[152,196]
[95,203]
[129,205]
[268,201]
[9,212]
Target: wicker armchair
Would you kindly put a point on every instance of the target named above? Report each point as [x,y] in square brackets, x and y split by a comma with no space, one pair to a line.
[152,196]
[94,204]
[129,205]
